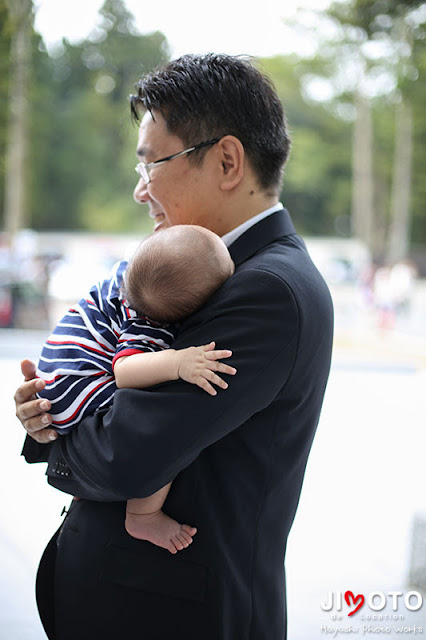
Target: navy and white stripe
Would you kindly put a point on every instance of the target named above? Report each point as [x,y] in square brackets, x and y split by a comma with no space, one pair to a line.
[77,358]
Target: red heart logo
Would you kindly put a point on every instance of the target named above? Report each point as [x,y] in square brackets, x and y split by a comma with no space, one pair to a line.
[360,597]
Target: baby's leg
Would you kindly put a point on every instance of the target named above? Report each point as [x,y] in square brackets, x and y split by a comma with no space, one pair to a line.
[146,521]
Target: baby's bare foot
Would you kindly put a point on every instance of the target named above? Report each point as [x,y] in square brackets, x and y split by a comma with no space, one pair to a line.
[160,529]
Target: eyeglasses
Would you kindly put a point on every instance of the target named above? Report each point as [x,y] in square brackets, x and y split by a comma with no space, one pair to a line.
[143,169]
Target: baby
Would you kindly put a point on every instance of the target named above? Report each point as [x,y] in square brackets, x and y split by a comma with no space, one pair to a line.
[120,336]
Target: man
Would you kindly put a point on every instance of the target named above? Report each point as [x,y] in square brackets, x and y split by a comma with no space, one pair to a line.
[212,146]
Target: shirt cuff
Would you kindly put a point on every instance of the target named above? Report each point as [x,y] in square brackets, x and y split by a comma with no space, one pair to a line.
[124,353]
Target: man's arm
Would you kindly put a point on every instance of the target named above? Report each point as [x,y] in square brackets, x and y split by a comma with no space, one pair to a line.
[148,437]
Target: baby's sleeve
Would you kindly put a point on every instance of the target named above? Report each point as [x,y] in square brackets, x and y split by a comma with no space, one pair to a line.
[139,334]
[76,359]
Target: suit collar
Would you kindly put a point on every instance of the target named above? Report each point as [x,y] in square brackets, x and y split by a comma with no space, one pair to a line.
[261,234]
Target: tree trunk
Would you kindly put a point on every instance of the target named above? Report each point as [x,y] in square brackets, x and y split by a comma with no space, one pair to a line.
[362,168]
[400,223]
[21,19]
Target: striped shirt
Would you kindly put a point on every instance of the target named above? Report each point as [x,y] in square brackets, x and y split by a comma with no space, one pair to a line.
[77,359]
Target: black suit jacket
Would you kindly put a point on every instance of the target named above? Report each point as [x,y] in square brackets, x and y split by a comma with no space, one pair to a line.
[237,459]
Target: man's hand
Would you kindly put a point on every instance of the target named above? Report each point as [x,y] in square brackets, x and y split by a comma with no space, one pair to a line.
[199,365]
[30,410]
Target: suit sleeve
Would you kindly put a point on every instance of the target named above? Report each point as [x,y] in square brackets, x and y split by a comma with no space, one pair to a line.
[148,436]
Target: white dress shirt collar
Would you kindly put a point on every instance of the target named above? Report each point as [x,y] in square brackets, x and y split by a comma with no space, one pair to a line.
[231,236]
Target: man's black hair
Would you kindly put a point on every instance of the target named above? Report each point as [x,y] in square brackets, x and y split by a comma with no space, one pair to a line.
[208,96]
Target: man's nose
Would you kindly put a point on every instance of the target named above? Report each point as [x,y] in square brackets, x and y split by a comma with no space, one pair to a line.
[140,193]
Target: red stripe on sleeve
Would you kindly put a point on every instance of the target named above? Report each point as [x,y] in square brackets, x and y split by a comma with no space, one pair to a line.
[83,346]
[124,354]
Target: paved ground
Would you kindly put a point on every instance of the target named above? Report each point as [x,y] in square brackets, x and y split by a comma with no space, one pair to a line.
[364,485]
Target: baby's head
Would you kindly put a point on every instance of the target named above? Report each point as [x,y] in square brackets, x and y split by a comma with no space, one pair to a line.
[174,272]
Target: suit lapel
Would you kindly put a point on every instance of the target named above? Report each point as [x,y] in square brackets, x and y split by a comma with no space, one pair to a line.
[275,226]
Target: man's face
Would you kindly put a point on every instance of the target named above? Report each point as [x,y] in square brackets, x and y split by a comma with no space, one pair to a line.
[179,192]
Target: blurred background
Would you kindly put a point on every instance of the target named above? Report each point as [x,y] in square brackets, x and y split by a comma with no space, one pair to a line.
[351,75]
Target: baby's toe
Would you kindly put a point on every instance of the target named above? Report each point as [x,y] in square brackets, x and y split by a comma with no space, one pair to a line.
[191,531]
[172,547]
[184,541]
[186,537]
[177,542]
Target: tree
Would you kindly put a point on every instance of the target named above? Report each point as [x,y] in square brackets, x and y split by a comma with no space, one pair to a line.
[365,60]
[83,142]
[362,171]
[20,23]
[317,179]
[414,88]
[393,26]
[5,33]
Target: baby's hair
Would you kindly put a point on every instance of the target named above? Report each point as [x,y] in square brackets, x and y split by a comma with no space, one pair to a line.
[175,271]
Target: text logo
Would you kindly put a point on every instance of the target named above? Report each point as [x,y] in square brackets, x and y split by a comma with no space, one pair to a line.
[376,601]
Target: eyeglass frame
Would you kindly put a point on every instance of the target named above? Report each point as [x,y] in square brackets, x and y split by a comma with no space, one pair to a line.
[143,168]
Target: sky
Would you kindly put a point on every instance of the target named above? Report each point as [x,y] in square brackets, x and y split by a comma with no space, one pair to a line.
[225,26]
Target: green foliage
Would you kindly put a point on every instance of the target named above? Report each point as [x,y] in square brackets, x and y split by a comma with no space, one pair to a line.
[5,30]
[374,16]
[378,39]
[83,141]
[416,91]
[317,181]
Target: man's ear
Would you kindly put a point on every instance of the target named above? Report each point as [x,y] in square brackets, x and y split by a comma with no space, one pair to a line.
[232,159]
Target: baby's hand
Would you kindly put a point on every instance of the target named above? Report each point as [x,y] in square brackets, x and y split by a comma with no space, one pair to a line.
[199,365]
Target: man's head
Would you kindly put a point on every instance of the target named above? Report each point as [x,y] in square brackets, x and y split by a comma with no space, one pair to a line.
[197,99]
[173,273]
